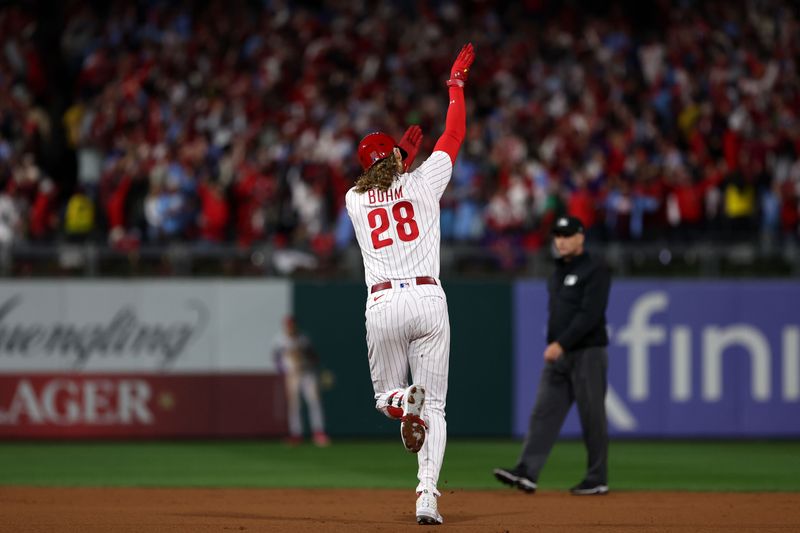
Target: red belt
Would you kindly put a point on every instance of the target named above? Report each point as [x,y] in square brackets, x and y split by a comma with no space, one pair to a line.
[383,285]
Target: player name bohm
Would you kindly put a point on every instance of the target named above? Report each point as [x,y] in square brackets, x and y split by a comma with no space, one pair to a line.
[376,196]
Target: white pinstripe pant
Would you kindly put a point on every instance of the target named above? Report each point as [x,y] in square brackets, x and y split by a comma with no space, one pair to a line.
[303,384]
[408,326]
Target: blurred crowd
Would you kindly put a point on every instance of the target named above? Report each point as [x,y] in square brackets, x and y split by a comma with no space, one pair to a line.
[236,122]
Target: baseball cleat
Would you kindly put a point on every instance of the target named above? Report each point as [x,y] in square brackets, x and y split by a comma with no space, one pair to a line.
[584,488]
[412,427]
[428,510]
[515,478]
[321,439]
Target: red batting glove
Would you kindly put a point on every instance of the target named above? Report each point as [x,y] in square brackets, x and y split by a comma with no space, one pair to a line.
[410,143]
[460,70]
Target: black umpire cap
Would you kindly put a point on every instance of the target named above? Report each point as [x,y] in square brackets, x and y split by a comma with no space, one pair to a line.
[567,226]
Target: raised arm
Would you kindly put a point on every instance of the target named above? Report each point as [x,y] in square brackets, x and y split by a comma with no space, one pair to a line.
[456,121]
[410,143]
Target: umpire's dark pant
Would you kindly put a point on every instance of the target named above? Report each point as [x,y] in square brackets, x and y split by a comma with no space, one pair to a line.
[579,376]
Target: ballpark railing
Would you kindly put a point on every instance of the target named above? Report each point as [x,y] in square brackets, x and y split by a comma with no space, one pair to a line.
[699,259]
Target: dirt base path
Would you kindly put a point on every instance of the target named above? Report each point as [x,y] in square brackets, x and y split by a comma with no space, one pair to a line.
[322,511]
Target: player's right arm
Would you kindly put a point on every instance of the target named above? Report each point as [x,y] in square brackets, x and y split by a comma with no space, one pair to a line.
[456,121]
[277,356]
[455,124]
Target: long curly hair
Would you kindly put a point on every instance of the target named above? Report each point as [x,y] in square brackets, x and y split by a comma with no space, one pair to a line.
[379,176]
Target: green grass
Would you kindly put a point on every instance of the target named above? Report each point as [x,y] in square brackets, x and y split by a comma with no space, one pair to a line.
[670,465]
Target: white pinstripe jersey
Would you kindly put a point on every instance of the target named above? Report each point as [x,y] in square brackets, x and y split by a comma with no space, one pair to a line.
[398,230]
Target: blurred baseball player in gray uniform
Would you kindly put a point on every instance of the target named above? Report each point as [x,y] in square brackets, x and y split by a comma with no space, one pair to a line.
[395,214]
[299,364]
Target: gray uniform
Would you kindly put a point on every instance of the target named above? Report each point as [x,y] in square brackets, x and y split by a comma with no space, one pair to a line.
[299,363]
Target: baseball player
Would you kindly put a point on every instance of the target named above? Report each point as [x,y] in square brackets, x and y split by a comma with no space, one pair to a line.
[395,214]
[299,363]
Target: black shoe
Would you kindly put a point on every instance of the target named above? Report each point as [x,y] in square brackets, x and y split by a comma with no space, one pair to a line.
[515,478]
[584,488]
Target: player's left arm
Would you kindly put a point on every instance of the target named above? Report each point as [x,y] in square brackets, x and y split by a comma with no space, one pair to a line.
[592,309]
[311,352]
[410,143]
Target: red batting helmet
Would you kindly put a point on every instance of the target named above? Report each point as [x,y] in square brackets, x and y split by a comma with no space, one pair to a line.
[374,147]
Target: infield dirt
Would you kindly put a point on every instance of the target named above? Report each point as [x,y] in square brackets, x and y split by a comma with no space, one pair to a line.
[27,509]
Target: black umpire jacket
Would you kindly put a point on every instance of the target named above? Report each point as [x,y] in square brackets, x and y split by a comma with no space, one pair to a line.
[578,291]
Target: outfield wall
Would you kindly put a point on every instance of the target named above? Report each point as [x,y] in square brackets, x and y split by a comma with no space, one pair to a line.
[151,358]
[686,358]
[480,360]
[140,358]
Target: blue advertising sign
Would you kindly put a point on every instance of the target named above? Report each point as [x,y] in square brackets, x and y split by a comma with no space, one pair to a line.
[686,358]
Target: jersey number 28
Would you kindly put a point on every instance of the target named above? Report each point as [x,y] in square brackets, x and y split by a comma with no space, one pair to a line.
[403,215]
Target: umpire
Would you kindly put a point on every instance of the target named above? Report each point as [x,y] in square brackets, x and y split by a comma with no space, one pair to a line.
[576,364]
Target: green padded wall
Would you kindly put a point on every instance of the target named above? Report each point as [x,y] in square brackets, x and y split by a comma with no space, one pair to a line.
[480,393]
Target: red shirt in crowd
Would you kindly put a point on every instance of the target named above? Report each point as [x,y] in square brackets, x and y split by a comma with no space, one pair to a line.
[213,213]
